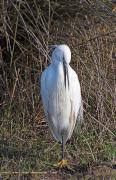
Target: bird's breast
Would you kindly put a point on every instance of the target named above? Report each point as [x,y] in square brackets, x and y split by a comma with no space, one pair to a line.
[60,100]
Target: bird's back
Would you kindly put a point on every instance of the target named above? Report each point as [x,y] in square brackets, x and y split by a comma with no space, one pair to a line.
[61,104]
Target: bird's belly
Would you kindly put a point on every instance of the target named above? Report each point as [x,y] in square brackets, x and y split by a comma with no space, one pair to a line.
[60,112]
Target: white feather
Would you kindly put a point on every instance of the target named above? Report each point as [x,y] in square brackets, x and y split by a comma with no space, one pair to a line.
[62,105]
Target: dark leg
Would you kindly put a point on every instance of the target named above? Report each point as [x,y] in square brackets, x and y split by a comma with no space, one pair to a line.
[62,146]
[63,162]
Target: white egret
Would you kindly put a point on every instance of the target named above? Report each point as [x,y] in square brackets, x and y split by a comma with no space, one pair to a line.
[61,96]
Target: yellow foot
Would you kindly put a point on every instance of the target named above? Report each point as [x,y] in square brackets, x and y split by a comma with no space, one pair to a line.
[62,163]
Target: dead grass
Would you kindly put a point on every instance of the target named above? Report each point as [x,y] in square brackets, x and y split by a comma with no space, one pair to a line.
[26,31]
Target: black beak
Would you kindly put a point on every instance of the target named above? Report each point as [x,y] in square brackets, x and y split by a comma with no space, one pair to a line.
[66,75]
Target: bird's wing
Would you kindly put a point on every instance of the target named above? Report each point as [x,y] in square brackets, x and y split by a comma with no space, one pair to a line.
[47,83]
[47,79]
[44,92]
[76,113]
[75,94]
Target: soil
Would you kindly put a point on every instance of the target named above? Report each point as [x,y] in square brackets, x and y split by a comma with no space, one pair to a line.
[83,172]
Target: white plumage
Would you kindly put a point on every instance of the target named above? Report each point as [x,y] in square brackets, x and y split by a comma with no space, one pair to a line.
[61,95]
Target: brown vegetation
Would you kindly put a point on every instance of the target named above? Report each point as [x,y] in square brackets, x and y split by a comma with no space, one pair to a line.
[27,29]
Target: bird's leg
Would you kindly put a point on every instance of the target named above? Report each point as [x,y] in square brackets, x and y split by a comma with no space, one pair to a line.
[62,148]
[63,162]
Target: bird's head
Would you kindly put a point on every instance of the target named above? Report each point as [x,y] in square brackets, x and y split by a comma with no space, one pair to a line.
[61,53]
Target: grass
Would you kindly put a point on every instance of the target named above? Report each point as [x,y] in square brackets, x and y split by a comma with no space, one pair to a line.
[27,29]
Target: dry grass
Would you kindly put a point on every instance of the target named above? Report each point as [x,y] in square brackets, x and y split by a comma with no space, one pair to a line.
[27,29]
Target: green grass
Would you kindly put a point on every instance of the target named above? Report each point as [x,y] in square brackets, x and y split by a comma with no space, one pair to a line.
[26,149]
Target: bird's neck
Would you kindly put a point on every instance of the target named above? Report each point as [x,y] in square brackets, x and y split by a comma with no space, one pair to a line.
[58,63]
